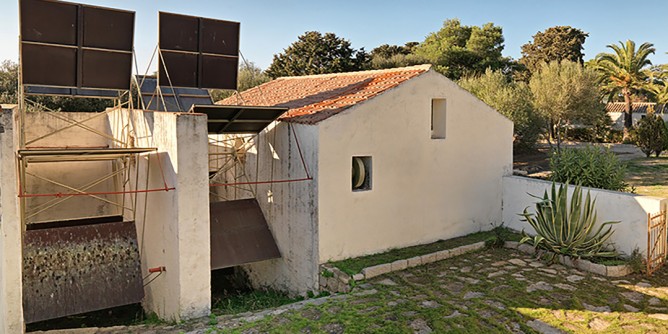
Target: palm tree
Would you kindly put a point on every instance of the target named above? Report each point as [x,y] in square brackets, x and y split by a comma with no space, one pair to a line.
[623,71]
[658,84]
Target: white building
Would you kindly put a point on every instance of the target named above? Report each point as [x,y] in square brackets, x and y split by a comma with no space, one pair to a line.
[433,157]
[638,111]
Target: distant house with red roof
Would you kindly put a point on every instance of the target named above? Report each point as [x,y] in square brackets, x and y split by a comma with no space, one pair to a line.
[638,110]
[398,157]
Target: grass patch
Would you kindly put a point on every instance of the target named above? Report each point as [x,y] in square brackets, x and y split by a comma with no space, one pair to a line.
[355,265]
[439,295]
[648,176]
[251,301]
[609,262]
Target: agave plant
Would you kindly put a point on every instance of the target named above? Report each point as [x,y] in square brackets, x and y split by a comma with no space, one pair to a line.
[568,229]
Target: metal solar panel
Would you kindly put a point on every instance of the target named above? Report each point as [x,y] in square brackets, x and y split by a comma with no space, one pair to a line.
[238,119]
[198,52]
[69,45]
[175,100]
[59,91]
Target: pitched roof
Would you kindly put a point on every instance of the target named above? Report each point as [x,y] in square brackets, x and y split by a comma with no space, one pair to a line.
[636,107]
[314,98]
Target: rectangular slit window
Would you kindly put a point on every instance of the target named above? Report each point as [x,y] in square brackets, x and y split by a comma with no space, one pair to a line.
[438,118]
[361,173]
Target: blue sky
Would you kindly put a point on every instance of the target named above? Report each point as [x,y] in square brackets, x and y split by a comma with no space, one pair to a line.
[267,27]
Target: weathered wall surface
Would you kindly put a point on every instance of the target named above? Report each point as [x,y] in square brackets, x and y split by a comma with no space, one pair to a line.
[423,189]
[173,226]
[630,209]
[11,298]
[290,208]
[77,175]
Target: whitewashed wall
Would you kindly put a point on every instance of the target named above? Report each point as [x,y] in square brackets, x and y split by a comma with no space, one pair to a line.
[73,174]
[291,208]
[423,189]
[11,262]
[618,119]
[628,208]
[173,227]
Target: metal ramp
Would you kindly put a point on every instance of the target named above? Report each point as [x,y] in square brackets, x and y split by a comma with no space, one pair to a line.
[239,234]
[78,266]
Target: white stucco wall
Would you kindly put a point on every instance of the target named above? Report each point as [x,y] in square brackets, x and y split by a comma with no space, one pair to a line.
[631,210]
[618,119]
[173,227]
[11,292]
[423,189]
[290,208]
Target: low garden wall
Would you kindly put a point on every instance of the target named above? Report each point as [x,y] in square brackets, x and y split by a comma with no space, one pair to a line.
[630,209]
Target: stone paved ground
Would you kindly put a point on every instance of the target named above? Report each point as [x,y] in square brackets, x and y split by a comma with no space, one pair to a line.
[491,291]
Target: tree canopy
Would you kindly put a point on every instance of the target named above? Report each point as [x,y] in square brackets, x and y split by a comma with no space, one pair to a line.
[459,50]
[9,81]
[391,56]
[657,87]
[315,53]
[625,72]
[512,99]
[554,44]
[387,51]
[565,93]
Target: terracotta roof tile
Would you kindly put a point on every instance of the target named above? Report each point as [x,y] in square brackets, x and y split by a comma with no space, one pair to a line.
[314,98]
[636,107]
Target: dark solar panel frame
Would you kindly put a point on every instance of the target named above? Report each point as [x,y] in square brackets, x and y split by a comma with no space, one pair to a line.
[74,92]
[238,119]
[178,99]
[198,52]
[75,46]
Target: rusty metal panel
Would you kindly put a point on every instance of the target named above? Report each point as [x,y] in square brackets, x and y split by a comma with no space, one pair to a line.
[75,46]
[178,32]
[72,268]
[239,234]
[108,29]
[220,37]
[49,22]
[182,68]
[198,52]
[49,65]
[219,72]
[109,70]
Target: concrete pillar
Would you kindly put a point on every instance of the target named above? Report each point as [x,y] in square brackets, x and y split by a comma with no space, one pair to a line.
[173,230]
[11,290]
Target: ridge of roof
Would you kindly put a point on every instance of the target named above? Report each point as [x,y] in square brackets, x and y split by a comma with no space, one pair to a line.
[314,98]
[424,67]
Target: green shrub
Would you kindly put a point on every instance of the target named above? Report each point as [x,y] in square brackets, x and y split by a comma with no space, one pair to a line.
[651,135]
[590,167]
[568,229]
[615,136]
[636,261]
[596,130]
